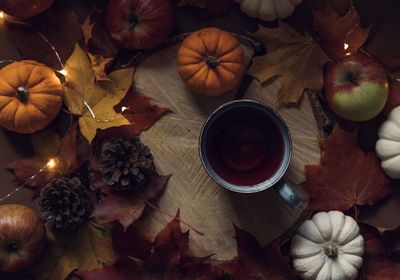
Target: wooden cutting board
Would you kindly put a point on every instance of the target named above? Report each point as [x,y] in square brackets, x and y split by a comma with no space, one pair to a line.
[203,204]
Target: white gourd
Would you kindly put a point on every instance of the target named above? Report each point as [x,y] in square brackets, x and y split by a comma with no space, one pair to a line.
[388,145]
[268,10]
[328,247]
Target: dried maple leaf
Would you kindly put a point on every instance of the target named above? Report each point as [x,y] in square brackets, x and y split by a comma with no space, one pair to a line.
[97,39]
[126,207]
[346,176]
[340,35]
[139,111]
[47,144]
[99,62]
[167,257]
[94,101]
[60,25]
[296,58]
[211,6]
[257,263]
[86,248]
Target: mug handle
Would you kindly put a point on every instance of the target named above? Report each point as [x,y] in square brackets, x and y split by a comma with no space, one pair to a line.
[288,194]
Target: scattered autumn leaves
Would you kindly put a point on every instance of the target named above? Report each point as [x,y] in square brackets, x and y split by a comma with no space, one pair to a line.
[169,257]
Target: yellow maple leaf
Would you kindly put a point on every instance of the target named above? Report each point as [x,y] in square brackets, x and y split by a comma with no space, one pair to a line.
[88,248]
[94,101]
[294,57]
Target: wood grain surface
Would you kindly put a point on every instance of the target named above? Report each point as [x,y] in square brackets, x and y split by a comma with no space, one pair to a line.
[203,204]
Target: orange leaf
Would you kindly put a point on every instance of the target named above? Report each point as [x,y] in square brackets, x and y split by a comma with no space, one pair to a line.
[340,35]
[346,176]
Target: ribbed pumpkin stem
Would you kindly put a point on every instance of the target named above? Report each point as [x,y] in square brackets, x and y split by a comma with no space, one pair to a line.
[22,94]
[212,61]
[331,250]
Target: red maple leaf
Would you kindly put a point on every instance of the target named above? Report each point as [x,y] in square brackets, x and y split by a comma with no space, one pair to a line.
[33,173]
[346,176]
[167,257]
[257,263]
[211,6]
[139,110]
[378,264]
[126,207]
[340,35]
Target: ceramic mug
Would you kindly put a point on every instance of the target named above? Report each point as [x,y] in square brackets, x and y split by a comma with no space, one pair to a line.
[246,147]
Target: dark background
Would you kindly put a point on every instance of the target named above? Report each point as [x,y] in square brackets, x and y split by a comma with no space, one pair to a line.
[384,40]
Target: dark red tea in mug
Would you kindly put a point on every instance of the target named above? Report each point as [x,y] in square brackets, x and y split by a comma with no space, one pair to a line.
[244,146]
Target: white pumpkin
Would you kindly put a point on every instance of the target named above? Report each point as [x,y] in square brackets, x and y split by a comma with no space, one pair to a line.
[388,145]
[268,10]
[328,247]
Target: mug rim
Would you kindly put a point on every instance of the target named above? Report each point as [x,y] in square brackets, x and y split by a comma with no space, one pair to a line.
[283,129]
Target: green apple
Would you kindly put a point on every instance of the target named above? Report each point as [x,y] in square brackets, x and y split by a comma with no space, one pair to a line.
[356,87]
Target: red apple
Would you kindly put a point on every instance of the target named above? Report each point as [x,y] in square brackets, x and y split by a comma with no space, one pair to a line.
[139,24]
[24,8]
[356,87]
[22,236]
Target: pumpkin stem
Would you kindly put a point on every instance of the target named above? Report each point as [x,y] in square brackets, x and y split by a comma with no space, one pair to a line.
[22,94]
[212,61]
[331,250]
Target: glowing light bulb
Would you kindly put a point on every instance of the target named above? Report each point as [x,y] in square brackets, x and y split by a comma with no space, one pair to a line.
[63,72]
[346,46]
[1,14]
[123,109]
[52,163]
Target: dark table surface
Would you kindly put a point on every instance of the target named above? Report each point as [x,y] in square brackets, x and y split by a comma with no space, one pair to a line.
[384,40]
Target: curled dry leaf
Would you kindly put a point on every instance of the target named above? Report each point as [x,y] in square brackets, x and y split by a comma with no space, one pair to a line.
[346,176]
[99,62]
[86,248]
[94,101]
[126,207]
[296,58]
[47,144]
[340,35]
[60,25]
[210,6]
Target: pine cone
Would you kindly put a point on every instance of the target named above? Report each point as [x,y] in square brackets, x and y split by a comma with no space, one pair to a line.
[65,203]
[125,164]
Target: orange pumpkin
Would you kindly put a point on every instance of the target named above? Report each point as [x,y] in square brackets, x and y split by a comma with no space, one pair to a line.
[210,61]
[30,96]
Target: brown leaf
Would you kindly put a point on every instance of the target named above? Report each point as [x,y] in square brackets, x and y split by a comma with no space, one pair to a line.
[99,62]
[382,269]
[297,59]
[346,176]
[257,263]
[165,258]
[126,207]
[211,6]
[336,31]
[86,248]
[47,144]
[97,40]
[60,25]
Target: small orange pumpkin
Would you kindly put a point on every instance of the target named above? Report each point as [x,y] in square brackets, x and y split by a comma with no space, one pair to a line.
[30,96]
[210,61]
